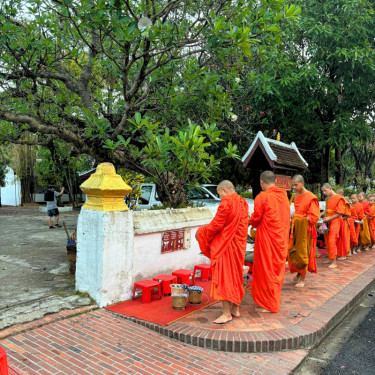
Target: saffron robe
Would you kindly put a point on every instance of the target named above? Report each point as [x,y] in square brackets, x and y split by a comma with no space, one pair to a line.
[335,205]
[271,217]
[366,207]
[364,234]
[372,223]
[353,236]
[224,240]
[343,245]
[359,214]
[306,206]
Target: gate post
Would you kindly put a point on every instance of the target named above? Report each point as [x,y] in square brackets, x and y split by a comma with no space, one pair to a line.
[105,237]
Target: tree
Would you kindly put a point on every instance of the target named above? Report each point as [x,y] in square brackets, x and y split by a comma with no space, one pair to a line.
[79,70]
[322,81]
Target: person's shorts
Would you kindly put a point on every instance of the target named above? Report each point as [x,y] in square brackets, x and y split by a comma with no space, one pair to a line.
[53,212]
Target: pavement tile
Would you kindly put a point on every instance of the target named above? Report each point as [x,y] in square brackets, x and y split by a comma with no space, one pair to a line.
[100,342]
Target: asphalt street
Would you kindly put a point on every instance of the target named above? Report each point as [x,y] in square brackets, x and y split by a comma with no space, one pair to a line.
[349,349]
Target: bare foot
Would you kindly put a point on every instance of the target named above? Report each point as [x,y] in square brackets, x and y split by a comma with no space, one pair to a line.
[334,265]
[261,309]
[223,319]
[366,248]
[358,251]
[354,252]
[349,254]
[341,258]
[300,284]
[235,311]
[297,277]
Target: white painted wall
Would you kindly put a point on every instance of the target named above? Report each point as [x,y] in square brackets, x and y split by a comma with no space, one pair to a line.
[11,192]
[115,249]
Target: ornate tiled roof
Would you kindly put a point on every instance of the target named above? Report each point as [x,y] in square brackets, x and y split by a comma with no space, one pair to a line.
[278,154]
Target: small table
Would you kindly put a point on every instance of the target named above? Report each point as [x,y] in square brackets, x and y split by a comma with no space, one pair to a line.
[205,270]
[165,281]
[183,276]
[147,286]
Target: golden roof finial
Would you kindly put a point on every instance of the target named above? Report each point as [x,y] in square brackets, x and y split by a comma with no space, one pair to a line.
[278,137]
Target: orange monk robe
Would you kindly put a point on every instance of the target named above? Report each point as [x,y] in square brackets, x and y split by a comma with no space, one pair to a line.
[223,240]
[351,219]
[366,207]
[372,223]
[359,215]
[271,217]
[335,205]
[343,244]
[307,205]
[364,237]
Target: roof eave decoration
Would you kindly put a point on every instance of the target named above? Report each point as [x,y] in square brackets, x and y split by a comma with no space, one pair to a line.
[265,144]
[297,151]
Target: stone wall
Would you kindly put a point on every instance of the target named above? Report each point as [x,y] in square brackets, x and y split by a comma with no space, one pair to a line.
[115,249]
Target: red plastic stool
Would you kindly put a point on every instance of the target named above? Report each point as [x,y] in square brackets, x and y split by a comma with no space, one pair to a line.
[147,286]
[165,281]
[205,270]
[3,362]
[183,276]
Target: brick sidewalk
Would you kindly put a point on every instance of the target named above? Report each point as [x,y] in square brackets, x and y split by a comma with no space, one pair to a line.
[100,343]
[305,316]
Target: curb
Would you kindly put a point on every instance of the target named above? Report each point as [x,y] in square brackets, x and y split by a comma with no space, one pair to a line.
[48,319]
[305,334]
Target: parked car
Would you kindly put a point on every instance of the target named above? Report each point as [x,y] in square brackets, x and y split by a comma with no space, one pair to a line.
[212,189]
[198,195]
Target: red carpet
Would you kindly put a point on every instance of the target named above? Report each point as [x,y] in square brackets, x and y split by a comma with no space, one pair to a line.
[160,311]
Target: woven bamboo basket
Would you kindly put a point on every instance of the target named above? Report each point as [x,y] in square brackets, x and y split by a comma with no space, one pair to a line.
[175,290]
[195,298]
[179,302]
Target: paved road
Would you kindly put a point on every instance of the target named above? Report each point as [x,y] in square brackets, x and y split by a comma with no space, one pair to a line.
[350,348]
[34,275]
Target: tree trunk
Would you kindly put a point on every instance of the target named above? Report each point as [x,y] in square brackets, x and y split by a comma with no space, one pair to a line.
[171,191]
[324,166]
[338,170]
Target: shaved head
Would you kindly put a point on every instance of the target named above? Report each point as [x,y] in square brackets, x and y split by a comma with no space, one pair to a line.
[225,188]
[225,184]
[340,192]
[326,185]
[268,177]
[362,194]
[298,177]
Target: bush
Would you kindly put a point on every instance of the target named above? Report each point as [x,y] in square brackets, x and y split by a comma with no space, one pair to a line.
[246,194]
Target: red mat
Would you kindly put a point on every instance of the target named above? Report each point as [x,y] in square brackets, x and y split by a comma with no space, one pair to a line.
[160,311]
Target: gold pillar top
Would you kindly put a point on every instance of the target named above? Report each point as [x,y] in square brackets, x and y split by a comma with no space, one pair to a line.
[105,189]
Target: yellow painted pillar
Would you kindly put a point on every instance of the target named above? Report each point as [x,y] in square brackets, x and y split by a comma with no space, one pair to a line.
[105,190]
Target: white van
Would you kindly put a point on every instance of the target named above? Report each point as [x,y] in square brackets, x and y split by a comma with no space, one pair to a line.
[198,195]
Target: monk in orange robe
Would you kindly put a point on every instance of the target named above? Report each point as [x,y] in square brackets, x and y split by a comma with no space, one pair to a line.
[335,208]
[371,200]
[343,246]
[365,236]
[302,256]
[353,240]
[224,240]
[358,215]
[271,218]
